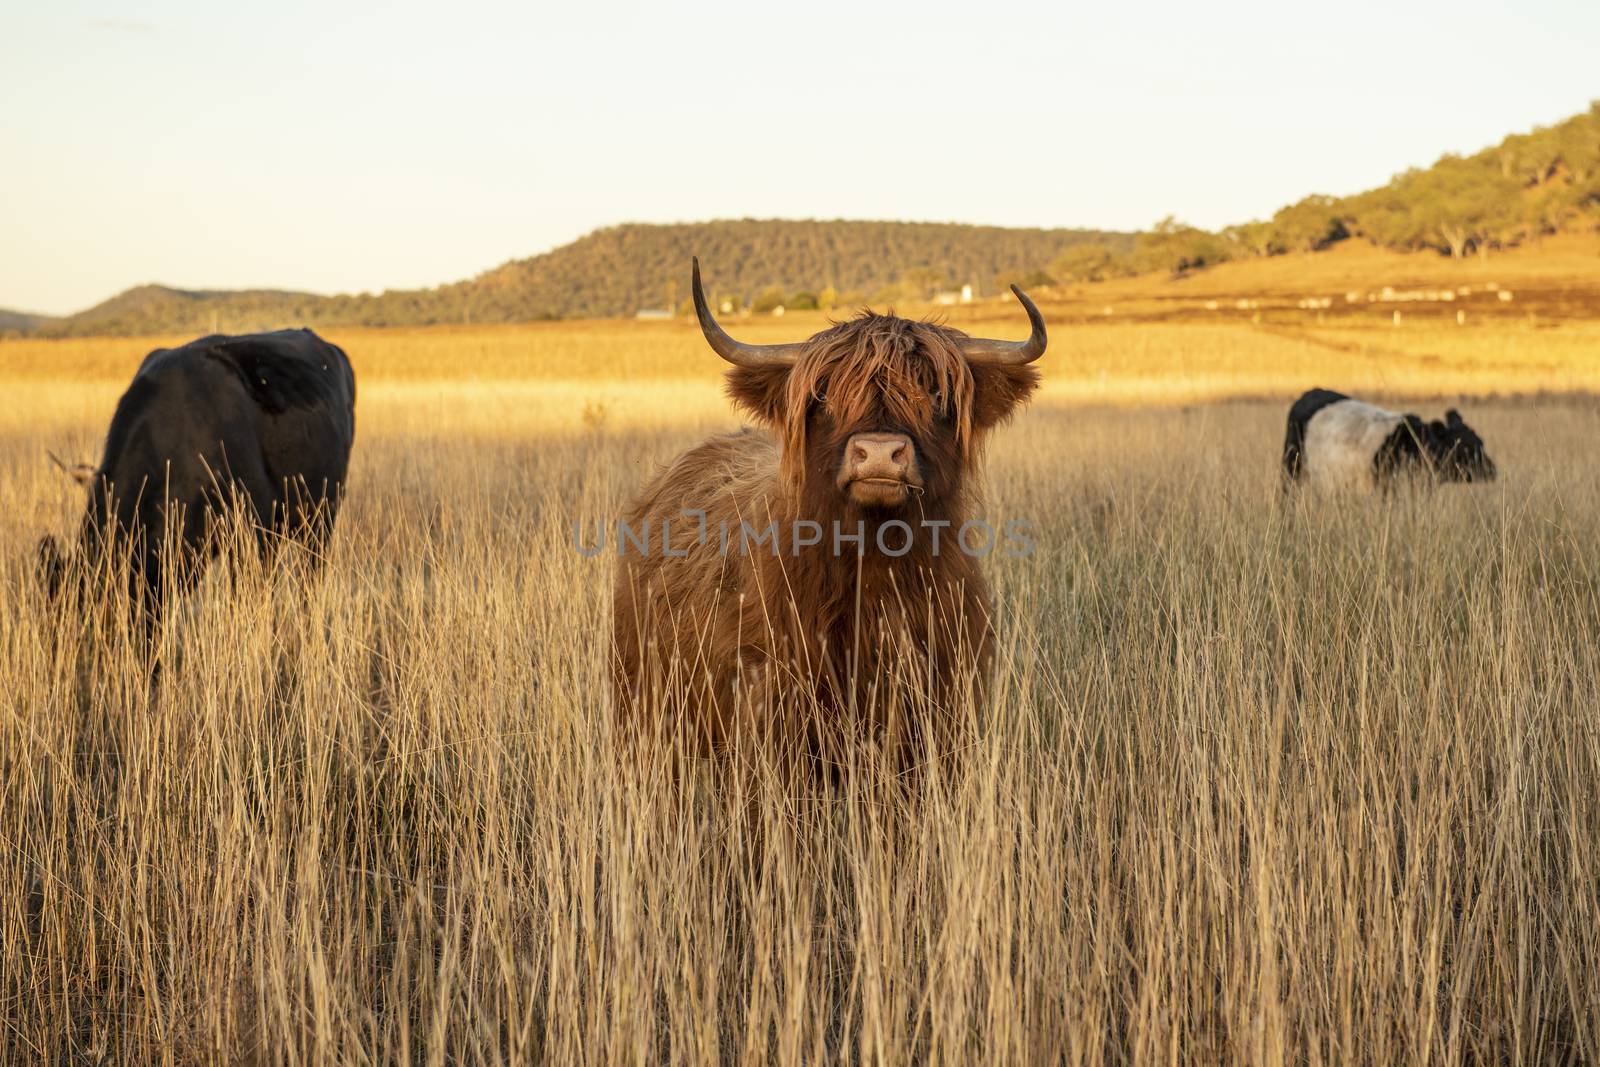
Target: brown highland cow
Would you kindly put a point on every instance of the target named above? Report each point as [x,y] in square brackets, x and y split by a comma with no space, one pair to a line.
[790,589]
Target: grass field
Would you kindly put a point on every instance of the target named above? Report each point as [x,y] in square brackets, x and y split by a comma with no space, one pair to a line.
[1261,780]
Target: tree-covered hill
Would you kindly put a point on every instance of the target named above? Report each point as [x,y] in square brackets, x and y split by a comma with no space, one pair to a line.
[159,309]
[623,269]
[1530,184]
[749,262]
[15,323]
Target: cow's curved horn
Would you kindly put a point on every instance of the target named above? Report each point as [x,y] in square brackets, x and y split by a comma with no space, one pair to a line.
[1013,353]
[737,352]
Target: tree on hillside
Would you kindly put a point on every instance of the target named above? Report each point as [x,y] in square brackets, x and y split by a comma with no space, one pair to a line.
[1385,216]
[1088,263]
[769,299]
[1177,247]
[919,283]
[1454,206]
[1258,238]
[1309,225]
[1465,205]
[1531,158]
[1023,279]
[1580,148]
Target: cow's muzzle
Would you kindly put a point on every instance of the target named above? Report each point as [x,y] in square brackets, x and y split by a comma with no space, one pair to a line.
[880,470]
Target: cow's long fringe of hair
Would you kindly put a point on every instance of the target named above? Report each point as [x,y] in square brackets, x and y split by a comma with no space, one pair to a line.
[879,359]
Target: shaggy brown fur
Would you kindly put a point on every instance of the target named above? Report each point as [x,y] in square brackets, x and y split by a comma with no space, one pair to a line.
[798,652]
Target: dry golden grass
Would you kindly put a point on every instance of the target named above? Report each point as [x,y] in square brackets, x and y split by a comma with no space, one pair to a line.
[1112,362]
[1260,781]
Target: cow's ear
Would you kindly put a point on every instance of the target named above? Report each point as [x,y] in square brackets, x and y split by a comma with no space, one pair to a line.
[762,391]
[997,391]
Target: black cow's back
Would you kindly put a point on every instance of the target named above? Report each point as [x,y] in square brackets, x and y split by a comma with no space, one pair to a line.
[264,419]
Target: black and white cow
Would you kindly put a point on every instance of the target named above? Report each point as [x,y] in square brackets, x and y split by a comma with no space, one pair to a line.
[1336,441]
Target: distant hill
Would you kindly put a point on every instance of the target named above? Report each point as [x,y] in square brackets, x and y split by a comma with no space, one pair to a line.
[21,322]
[148,309]
[623,269]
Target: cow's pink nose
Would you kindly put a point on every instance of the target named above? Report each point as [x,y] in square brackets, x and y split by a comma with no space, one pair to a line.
[879,455]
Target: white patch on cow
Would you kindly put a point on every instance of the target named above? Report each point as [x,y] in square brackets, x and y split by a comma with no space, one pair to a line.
[1341,441]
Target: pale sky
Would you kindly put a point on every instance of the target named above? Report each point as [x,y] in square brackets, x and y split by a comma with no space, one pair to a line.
[339,148]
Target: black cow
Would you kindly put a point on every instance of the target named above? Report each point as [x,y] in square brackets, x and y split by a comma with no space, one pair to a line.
[264,420]
[1335,441]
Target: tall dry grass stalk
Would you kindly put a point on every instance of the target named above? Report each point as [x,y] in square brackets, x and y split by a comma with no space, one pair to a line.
[1260,780]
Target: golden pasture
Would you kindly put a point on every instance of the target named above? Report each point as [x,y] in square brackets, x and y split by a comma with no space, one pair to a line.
[1260,779]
